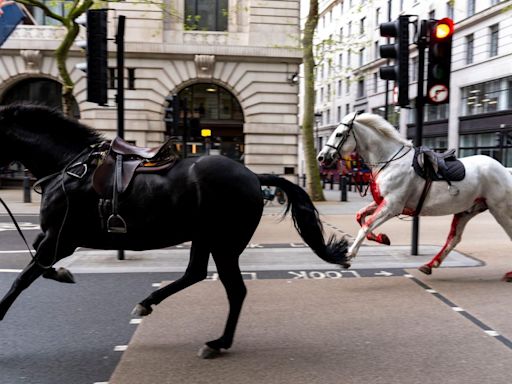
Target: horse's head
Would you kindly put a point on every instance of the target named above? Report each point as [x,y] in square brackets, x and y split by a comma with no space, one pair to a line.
[341,142]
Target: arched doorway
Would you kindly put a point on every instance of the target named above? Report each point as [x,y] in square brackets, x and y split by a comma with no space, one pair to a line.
[37,90]
[210,107]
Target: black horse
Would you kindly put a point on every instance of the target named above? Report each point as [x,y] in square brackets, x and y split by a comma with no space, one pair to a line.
[212,201]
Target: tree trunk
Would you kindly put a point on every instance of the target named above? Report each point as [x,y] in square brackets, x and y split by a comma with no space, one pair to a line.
[314,187]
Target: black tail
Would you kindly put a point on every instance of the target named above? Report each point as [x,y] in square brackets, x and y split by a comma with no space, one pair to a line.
[307,221]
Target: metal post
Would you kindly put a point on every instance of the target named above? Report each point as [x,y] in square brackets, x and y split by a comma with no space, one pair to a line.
[120,89]
[343,188]
[26,187]
[184,108]
[386,92]
[420,102]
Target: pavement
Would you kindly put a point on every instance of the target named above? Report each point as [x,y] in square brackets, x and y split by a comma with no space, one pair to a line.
[315,325]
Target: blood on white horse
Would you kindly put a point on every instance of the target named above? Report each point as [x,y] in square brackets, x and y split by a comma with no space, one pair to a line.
[397,189]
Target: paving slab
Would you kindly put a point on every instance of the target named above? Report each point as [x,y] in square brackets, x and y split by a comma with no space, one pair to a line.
[381,330]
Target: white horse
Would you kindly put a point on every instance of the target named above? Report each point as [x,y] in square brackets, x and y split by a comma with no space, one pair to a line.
[397,189]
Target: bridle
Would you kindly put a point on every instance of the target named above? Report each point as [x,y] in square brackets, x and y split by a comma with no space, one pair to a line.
[347,133]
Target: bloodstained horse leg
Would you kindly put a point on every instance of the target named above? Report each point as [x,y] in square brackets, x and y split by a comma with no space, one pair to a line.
[454,236]
[361,216]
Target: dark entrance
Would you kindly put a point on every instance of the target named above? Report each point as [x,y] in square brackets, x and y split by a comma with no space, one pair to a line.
[210,107]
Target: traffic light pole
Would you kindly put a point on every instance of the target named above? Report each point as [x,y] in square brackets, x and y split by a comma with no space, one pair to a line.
[420,104]
[120,89]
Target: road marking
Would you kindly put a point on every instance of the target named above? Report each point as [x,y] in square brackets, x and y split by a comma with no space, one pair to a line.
[484,327]
[101,382]
[120,348]
[10,270]
[20,251]
[383,273]
[135,321]
[156,285]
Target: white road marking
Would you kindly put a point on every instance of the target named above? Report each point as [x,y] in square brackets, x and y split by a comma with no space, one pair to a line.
[10,270]
[458,309]
[431,290]
[135,321]
[20,251]
[492,333]
[120,348]
[156,285]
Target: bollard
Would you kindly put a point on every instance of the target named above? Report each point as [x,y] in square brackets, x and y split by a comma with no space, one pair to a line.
[349,182]
[343,188]
[26,187]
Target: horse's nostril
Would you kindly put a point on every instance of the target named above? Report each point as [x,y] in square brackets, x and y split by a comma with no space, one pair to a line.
[320,158]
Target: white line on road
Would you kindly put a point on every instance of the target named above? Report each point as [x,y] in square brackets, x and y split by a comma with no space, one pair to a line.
[120,348]
[135,321]
[10,270]
[20,251]
[492,333]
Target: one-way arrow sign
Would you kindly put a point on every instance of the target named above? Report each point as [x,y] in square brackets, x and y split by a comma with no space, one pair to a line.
[383,273]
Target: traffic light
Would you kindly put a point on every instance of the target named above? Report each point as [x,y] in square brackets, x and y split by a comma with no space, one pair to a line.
[398,51]
[172,114]
[96,50]
[439,60]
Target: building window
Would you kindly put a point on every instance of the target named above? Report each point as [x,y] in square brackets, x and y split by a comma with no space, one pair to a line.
[340,60]
[328,117]
[361,88]
[393,114]
[339,88]
[361,57]
[338,114]
[432,14]
[341,35]
[347,109]
[361,26]
[329,92]
[470,48]
[436,112]
[206,15]
[377,17]
[437,143]
[376,50]
[450,12]
[60,8]
[495,95]
[375,82]
[347,86]
[497,145]
[494,2]
[414,68]
[494,37]
[322,95]
[349,58]
[471,7]
[349,28]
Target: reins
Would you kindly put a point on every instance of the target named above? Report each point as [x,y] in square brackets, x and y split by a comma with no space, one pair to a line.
[38,189]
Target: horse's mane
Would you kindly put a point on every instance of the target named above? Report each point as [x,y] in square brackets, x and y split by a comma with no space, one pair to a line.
[383,126]
[41,119]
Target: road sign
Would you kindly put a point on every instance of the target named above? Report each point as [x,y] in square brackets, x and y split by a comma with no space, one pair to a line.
[438,94]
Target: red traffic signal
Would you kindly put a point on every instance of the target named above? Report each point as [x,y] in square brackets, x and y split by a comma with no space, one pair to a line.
[439,60]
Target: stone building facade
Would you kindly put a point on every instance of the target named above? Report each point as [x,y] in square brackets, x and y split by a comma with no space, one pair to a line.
[234,62]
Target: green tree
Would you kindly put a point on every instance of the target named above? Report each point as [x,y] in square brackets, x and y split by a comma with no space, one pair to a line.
[313,185]
[74,9]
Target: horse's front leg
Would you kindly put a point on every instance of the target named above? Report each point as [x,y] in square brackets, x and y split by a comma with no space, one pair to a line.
[62,275]
[45,254]
[383,212]
[361,217]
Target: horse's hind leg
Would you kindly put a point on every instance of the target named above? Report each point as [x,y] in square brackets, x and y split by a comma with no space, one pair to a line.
[454,236]
[361,217]
[231,278]
[504,218]
[196,271]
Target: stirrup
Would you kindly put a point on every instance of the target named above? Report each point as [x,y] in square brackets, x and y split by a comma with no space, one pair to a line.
[116,224]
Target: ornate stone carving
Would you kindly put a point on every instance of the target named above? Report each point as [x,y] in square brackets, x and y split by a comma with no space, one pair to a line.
[205,65]
[32,59]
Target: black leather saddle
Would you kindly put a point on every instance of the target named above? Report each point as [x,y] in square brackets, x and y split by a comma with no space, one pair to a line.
[438,166]
[120,162]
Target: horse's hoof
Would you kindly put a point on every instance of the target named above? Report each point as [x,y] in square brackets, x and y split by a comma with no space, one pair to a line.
[507,277]
[346,265]
[384,239]
[207,352]
[426,269]
[62,275]
[141,310]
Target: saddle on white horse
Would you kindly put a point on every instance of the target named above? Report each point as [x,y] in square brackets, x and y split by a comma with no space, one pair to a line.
[437,166]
